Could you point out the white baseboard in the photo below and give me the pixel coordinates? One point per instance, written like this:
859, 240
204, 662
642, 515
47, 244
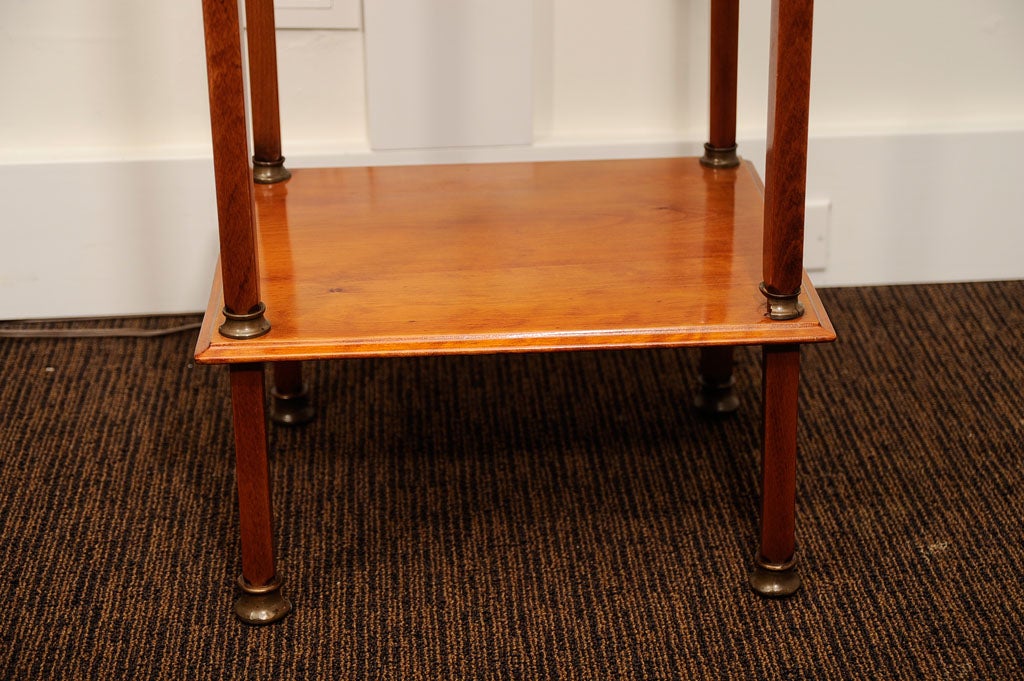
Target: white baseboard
935, 207
106, 238
90, 238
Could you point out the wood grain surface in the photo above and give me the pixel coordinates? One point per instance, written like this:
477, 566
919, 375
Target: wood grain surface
780, 387
725, 21
786, 160
256, 525
235, 209
262, 48
510, 257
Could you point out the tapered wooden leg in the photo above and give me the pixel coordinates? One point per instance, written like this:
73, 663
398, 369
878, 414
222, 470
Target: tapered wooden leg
775, 568
717, 395
261, 601
290, 404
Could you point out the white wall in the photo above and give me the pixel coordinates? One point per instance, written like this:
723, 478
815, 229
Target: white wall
917, 116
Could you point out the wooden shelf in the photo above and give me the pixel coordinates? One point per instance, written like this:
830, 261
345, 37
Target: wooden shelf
510, 257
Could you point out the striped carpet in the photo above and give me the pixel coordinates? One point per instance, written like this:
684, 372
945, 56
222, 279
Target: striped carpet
561, 516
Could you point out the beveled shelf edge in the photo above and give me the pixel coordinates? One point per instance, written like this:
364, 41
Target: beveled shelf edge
813, 327
813, 303
207, 329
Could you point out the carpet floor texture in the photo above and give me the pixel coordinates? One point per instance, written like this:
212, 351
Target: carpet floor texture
548, 516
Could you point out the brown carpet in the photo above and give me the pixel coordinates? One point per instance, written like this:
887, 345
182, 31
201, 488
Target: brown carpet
560, 516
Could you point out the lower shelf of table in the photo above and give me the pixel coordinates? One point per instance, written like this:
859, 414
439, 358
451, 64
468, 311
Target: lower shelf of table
518, 257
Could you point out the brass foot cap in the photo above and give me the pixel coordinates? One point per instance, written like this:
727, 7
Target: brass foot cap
291, 410
716, 400
775, 581
261, 604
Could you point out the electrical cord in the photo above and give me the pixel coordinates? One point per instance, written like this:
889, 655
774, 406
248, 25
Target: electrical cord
119, 332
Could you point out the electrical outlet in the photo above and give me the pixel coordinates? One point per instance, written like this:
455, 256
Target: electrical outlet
817, 217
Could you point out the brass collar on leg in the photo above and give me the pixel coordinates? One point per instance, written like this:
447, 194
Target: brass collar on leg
291, 410
252, 324
719, 157
269, 172
783, 307
717, 398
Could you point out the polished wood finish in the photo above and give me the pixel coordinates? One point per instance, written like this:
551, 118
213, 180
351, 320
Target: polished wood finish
261, 40
253, 475
235, 209
515, 257
716, 363
262, 47
786, 161
725, 21
511, 257
780, 388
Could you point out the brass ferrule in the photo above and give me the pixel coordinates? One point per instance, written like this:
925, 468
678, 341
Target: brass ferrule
782, 307
269, 172
292, 409
271, 586
719, 157
716, 398
775, 567
253, 324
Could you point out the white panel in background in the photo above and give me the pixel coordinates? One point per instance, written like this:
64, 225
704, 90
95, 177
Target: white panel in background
817, 213
316, 14
456, 73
